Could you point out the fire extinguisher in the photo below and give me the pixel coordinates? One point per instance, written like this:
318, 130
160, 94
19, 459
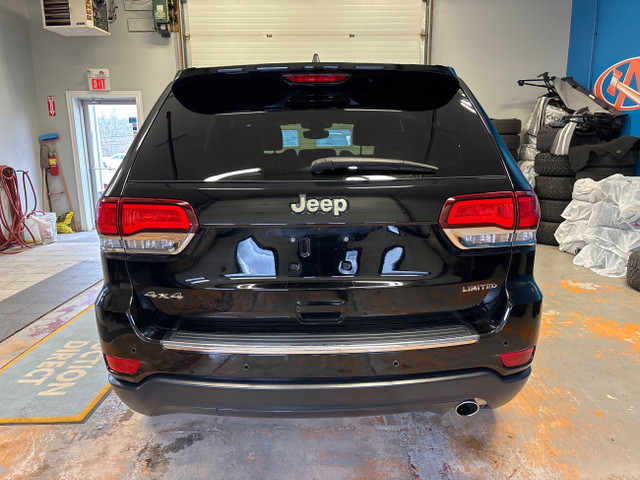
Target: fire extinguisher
53, 164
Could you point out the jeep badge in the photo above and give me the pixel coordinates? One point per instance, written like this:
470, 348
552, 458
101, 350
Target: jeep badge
322, 205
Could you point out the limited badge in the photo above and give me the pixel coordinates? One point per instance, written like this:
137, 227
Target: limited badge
479, 288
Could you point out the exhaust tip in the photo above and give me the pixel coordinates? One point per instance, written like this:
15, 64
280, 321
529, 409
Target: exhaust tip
467, 408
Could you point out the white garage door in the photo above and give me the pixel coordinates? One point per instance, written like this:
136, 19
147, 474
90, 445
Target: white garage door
232, 32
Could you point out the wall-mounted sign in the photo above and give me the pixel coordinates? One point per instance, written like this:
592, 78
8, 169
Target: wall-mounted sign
619, 85
51, 106
99, 80
88, 5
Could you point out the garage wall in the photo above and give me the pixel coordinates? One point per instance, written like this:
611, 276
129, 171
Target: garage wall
493, 43
137, 61
18, 119
601, 43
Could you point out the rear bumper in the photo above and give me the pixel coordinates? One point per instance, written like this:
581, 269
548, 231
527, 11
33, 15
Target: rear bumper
164, 394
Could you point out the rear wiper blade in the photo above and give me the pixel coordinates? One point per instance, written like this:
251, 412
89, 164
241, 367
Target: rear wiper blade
362, 164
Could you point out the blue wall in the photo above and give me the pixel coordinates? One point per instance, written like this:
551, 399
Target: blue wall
582, 42
603, 34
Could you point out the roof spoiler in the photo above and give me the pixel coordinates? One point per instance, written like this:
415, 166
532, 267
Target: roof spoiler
268, 88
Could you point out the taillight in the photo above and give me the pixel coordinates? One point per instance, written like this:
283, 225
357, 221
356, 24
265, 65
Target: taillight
479, 210
312, 78
497, 219
122, 365
528, 218
106, 216
516, 359
135, 225
156, 216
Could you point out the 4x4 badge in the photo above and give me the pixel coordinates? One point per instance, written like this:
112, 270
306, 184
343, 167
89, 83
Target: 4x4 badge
165, 296
336, 206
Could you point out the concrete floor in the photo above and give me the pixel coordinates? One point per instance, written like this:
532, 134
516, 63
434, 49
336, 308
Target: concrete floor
23, 270
576, 418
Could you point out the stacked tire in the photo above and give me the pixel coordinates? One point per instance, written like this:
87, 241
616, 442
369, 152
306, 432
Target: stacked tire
554, 185
545, 138
509, 130
633, 271
547, 135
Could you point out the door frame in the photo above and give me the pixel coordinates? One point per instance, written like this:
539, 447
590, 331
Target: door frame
90, 122
85, 209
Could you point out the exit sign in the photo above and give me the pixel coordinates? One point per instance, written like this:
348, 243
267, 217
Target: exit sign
99, 80
99, 84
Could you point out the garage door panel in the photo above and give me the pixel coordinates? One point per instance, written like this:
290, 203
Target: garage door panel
233, 50
229, 32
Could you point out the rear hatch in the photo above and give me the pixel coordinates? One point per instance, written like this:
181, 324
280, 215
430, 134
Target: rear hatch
317, 199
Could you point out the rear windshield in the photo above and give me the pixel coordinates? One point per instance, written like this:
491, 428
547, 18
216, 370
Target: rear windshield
281, 145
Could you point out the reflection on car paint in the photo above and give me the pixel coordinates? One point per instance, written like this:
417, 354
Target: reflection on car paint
392, 260
253, 260
351, 261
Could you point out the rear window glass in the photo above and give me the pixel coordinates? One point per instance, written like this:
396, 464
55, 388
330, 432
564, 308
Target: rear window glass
280, 145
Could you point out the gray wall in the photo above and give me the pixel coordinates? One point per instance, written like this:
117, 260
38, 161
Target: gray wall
493, 43
137, 61
18, 119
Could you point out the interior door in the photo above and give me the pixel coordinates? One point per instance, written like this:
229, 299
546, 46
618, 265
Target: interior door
111, 125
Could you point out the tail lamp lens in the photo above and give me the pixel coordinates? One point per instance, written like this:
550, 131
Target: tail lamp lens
517, 359
122, 365
135, 225
136, 217
497, 219
476, 210
312, 78
528, 210
106, 216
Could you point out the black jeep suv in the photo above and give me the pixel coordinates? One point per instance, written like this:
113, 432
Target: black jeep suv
317, 240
